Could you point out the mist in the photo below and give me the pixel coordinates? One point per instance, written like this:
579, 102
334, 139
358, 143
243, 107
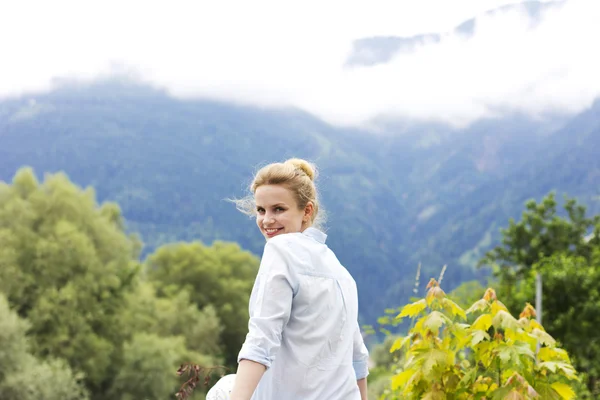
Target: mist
270, 54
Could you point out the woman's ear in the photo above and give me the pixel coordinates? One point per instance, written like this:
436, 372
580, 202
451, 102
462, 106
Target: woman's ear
308, 211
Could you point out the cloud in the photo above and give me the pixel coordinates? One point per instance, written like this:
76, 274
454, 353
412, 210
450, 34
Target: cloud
279, 54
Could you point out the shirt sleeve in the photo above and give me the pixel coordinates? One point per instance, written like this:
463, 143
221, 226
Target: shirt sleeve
360, 356
270, 307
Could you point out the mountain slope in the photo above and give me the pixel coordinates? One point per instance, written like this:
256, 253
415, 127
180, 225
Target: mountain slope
428, 193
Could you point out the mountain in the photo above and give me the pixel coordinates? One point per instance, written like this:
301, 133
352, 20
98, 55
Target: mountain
411, 193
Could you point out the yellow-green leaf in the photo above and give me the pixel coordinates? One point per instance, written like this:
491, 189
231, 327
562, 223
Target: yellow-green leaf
551, 353
514, 395
478, 336
434, 395
554, 366
483, 322
498, 306
479, 305
534, 324
543, 337
454, 308
411, 310
563, 390
433, 357
399, 343
400, 380
434, 321
504, 320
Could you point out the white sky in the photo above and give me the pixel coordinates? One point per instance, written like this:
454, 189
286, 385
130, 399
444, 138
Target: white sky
283, 53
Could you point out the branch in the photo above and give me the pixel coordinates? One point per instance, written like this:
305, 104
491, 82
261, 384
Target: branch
193, 372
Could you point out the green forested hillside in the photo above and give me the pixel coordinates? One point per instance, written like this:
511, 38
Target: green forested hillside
414, 193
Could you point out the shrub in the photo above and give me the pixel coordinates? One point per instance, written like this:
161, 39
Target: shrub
495, 357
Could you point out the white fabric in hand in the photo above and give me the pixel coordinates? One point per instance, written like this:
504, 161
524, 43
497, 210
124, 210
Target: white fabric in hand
222, 389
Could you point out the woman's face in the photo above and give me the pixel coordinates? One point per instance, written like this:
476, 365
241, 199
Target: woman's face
277, 211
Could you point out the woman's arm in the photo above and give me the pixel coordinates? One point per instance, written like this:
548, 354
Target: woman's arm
360, 360
270, 309
362, 386
247, 378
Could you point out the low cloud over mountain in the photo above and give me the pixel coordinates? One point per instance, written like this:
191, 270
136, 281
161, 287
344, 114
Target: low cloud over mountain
349, 64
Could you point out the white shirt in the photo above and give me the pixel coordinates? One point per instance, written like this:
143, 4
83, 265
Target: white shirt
304, 322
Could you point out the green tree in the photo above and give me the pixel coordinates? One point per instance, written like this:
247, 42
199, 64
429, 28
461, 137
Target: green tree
25, 377
220, 275
13, 343
566, 255
542, 232
174, 316
66, 265
570, 308
149, 366
383, 362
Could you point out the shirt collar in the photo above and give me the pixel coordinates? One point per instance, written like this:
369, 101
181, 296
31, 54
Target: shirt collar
316, 234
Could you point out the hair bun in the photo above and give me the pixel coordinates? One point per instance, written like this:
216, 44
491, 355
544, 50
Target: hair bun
304, 166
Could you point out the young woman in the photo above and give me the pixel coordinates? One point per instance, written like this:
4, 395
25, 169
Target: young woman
304, 341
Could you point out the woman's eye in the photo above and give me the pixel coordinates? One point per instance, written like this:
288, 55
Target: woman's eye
260, 211
279, 209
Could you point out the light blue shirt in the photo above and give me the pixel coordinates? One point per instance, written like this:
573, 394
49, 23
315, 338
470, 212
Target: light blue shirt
304, 322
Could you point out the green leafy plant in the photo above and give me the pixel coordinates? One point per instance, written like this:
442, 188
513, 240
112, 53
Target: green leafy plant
495, 357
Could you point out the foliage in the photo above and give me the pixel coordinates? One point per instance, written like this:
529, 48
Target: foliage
540, 233
48, 380
220, 276
13, 344
174, 316
571, 293
495, 357
566, 255
25, 377
380, 373
69, 269
149, 362
60, 253
467, 293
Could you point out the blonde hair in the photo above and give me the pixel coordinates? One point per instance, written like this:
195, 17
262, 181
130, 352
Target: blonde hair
295, 174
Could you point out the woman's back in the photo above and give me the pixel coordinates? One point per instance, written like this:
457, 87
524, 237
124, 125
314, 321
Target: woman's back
303, 322
304, 342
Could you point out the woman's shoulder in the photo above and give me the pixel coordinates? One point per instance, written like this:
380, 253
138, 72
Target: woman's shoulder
285, 241
292, 244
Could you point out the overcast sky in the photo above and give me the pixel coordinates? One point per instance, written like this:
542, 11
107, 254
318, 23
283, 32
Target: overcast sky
282, 53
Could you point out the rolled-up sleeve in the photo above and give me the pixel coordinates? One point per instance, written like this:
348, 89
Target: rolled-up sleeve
360, 358
270, 306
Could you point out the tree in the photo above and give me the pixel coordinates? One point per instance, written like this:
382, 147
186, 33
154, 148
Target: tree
66, 265
174, 316
542, 232
149, 365
567, 256
220, 275
384, 362
571, 302
25, 377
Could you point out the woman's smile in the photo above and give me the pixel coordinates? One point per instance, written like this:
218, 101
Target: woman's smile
272, 231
